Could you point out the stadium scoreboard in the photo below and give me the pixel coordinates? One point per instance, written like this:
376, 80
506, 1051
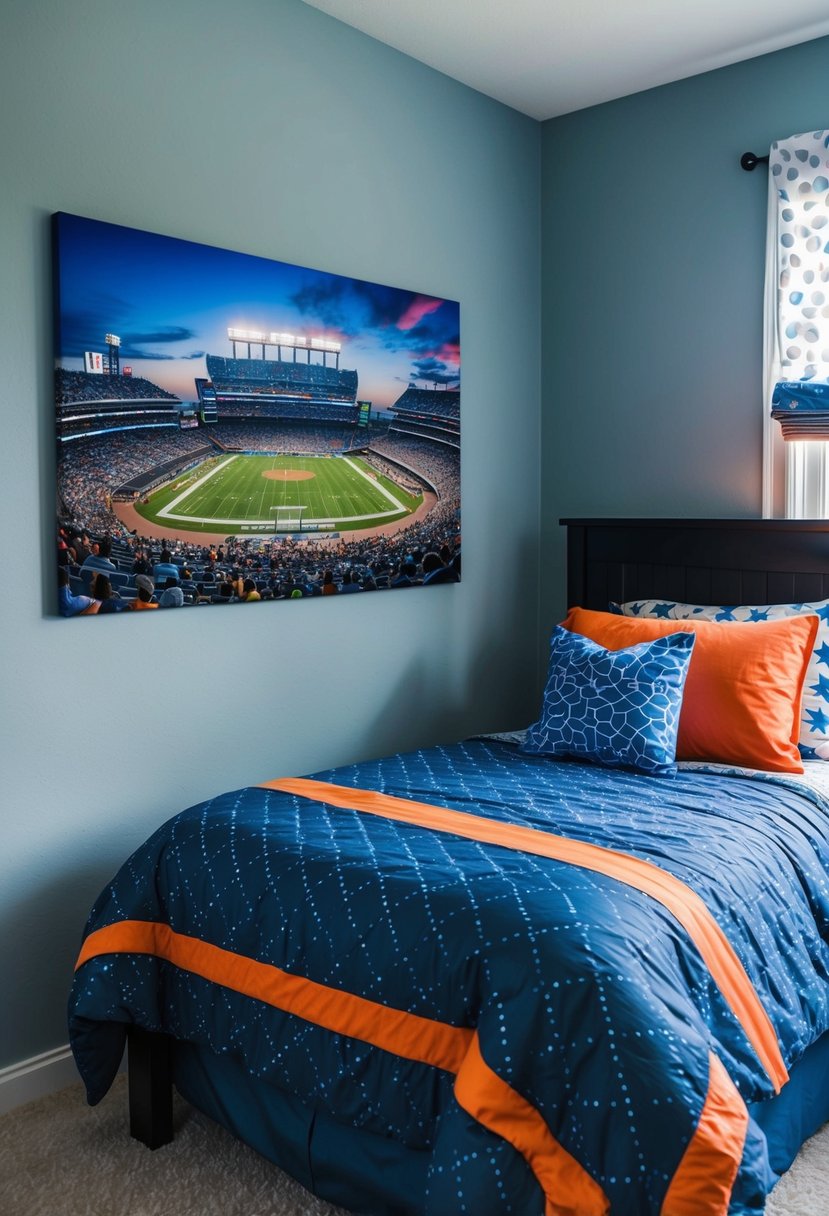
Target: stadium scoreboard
208, 408
365, 413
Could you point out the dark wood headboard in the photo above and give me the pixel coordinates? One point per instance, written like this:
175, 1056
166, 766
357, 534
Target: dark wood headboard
699, 561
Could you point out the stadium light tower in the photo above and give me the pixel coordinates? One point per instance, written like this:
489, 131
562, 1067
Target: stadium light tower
114, 344
293, 342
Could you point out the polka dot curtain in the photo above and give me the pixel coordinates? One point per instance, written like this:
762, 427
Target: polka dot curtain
797, 311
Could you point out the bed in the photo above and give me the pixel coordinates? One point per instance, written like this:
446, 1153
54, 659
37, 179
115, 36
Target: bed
486, 979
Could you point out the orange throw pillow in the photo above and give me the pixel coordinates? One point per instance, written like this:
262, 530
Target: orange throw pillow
742, 697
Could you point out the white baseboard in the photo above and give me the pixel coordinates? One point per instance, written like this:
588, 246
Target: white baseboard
37, 1077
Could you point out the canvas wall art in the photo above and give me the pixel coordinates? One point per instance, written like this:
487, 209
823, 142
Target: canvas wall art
233, 429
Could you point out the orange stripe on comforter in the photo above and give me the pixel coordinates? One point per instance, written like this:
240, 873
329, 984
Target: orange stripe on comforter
706, 1173
404, 1034
680, 900
568, 1189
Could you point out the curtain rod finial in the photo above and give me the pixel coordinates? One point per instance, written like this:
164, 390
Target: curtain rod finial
749, 161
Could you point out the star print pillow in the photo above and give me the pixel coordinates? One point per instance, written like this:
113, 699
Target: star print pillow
813, 740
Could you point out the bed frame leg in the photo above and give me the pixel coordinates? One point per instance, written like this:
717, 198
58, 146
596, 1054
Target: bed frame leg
150, 1087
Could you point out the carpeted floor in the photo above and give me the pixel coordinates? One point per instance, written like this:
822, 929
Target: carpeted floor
59, 1157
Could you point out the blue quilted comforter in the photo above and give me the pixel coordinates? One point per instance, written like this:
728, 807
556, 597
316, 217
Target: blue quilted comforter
548, 1034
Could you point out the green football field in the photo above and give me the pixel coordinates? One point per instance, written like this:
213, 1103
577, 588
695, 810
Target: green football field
241, 493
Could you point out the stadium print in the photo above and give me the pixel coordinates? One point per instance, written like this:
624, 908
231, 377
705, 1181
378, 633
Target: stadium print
236, 429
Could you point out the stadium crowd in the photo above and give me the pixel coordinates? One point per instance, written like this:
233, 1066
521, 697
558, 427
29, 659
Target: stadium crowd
279, 374
441, 434
435, 402
250, 436
442, 465
131, 572
89, 470
73, 388
269, 407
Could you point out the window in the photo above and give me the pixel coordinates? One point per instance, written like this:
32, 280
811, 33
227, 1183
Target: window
796, 362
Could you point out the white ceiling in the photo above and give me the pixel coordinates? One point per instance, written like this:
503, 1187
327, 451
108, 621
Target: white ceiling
548, 57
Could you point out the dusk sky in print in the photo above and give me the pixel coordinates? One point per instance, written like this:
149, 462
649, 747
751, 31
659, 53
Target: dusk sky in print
172, 301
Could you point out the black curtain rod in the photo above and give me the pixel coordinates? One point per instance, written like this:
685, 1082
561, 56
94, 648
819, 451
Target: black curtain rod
749, 161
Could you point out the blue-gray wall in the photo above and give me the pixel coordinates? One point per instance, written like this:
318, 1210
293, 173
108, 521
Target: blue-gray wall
267, 127
653, 256
272, 129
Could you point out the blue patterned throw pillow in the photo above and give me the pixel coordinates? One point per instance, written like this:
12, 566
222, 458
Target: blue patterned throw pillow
615, 707
813, 740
